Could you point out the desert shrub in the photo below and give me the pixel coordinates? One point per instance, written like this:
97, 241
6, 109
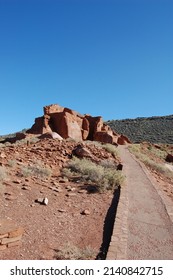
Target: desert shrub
87, 168
111, 149
7, 144
157, 152
37, 169
157, 166
104, 177
72, 252
3, 173
31, 140
108, 163
95, 143
69, 139
12, 163
135, 149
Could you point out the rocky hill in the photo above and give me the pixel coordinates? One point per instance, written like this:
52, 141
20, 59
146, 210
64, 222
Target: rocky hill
152, 129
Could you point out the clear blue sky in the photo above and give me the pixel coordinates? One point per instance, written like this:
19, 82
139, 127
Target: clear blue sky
103, 57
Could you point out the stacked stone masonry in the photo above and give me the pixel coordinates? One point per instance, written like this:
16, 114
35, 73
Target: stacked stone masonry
10, 234
70, 124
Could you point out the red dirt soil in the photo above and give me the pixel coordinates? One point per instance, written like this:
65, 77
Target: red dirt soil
49, 228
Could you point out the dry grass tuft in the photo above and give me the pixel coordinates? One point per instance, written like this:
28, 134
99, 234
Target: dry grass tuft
111, 149
137, 151
3, 173
72, 252
37, 169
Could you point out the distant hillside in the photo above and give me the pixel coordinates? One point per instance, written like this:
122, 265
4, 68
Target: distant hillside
153, 129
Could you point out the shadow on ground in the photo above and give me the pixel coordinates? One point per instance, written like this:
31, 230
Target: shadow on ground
108, 225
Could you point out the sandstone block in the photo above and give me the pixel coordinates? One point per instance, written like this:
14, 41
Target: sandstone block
123, 140
3, 235
13, 244
16, 232
81, 152
10, 240
104, 137
2, 247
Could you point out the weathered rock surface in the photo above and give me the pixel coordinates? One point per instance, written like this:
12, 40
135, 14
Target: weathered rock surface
50, 135
70, 124
81, 152
123, 140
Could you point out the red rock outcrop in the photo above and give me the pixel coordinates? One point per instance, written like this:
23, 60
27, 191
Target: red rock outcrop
70, 124
123, 140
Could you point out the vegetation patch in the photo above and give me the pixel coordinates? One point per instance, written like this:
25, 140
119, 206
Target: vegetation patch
3, 173
147, 159
153, 129
72, 252
106, 178
12, 163
111, 149
38, 170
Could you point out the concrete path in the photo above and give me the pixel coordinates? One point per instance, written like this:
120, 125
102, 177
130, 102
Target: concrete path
149, 232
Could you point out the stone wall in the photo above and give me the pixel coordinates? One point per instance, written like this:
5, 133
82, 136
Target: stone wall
70, 124
10, 234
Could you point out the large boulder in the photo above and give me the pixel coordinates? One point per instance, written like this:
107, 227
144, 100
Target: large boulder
81, 152
103, 137
50, 135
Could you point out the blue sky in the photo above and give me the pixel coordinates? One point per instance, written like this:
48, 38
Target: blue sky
112, 58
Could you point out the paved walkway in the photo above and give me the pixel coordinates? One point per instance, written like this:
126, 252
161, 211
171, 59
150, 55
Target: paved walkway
147, 230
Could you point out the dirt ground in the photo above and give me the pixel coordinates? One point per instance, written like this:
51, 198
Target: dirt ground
72, 224
73, 220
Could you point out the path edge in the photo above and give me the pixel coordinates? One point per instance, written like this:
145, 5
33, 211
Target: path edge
164, 198
118, 245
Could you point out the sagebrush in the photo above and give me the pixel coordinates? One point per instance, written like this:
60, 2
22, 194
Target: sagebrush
104, 177
36, 169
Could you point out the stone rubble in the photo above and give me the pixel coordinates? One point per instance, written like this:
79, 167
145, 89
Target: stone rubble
10, 234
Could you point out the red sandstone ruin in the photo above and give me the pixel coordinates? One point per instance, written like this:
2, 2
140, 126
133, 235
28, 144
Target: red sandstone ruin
70, 124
